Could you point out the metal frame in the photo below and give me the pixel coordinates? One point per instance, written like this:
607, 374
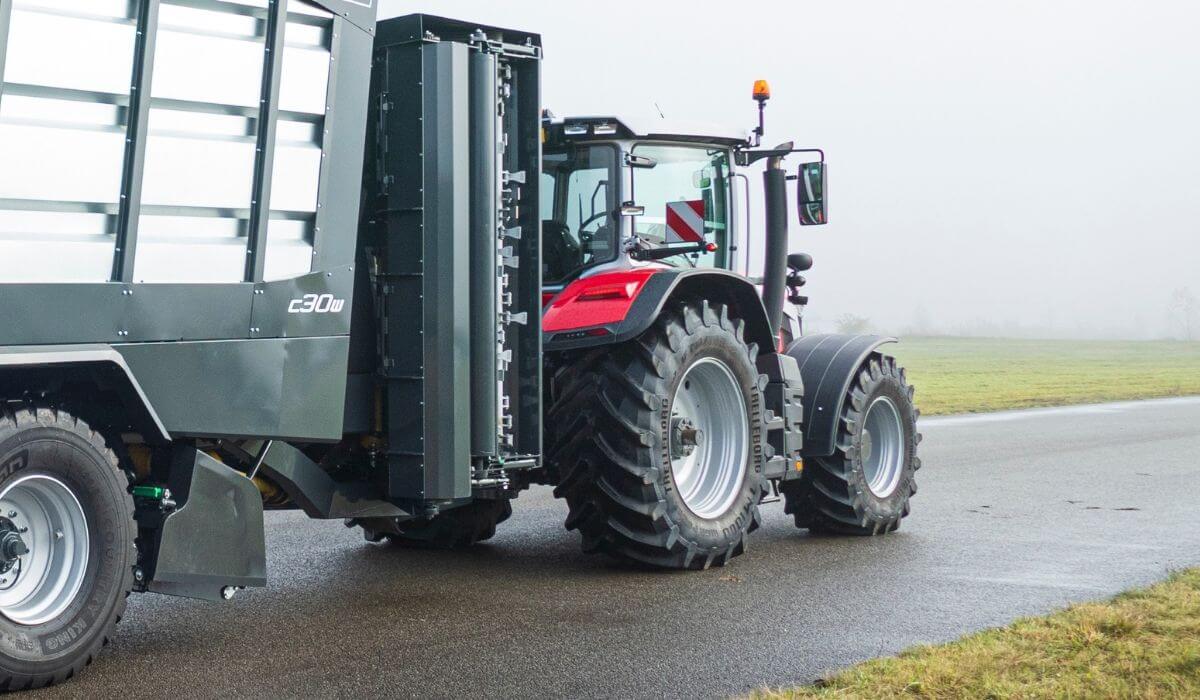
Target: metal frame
5, 21
137, 134
264, 155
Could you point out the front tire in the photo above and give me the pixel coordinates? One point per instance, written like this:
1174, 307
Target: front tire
657, 443
66, 546
865, 486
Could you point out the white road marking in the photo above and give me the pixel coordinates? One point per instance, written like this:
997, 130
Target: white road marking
1087, 409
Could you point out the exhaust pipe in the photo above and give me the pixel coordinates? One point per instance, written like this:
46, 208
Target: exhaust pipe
775, 262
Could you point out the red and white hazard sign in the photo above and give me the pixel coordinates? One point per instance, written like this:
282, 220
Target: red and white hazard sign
685, 221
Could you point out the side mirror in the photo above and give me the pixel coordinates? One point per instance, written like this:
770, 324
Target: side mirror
811, 191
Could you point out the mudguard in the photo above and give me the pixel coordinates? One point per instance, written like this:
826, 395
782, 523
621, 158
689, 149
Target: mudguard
613, 307
828, 364
215, 539
104, 364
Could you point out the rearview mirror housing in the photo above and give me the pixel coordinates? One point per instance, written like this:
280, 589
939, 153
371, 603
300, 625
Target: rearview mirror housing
810, 187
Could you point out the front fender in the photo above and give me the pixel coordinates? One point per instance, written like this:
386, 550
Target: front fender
828, 364
614, 307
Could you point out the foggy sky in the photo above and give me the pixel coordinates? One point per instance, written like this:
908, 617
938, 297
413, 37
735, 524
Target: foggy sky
995, 167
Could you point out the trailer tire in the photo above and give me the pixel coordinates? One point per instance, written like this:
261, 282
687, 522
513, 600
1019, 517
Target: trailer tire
613, 441
863, 488
69, 492
451, 529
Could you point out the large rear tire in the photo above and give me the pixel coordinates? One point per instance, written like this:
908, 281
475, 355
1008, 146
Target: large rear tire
658, 443
865, 486
66, 546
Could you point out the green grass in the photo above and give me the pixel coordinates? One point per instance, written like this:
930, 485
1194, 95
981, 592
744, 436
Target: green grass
1142, 644
967, 375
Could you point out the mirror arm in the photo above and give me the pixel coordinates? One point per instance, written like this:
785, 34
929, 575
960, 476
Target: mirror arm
646, 254
747, 157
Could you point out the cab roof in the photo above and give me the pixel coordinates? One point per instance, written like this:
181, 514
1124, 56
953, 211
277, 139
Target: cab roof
611, 127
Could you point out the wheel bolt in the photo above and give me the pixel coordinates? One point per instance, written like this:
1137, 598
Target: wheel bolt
12, 513
58, 534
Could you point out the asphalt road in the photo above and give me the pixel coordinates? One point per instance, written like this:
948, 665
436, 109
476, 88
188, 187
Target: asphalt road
1018, 514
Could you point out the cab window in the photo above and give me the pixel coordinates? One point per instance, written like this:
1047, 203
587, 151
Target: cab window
685, 194
578, 208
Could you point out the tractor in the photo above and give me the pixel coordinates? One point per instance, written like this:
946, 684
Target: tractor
264, 255
681, 394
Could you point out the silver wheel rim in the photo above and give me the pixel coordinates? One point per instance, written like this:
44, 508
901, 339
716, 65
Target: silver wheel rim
41, 583
709, 438
882, 449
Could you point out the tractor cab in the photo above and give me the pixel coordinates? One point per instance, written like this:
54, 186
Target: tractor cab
615, 196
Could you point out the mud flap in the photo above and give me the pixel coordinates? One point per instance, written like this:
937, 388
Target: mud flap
214, 539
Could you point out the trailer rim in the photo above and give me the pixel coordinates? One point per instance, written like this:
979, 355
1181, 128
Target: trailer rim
40, 584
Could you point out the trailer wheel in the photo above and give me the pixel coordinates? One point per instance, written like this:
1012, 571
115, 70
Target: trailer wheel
657, 443
451, 529
865, 486
66, 546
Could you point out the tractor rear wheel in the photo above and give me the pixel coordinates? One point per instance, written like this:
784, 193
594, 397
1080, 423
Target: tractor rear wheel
657, 443
451, 529
865, 486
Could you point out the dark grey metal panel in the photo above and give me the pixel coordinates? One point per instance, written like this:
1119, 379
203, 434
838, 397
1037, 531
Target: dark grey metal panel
284, 388
312, 305
77, 355
264, 155
215, 539
51, 314
137, 134
361, 13
447, 266
318, 495
485, 226
339, 192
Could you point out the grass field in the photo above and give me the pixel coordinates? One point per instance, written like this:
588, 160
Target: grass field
1142, 644
967, 375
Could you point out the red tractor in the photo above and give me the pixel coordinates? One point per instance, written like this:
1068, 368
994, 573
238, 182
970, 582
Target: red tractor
681, 394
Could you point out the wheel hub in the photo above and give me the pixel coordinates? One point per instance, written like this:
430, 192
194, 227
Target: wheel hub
12, 547
709, 438
685, 437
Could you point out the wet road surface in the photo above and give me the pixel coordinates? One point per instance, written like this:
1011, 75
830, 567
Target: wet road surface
1017, 514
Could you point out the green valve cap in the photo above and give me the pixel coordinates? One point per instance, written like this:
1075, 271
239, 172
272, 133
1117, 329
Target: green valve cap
152, 492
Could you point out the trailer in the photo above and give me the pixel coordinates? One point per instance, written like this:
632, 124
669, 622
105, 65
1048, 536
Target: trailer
274, 254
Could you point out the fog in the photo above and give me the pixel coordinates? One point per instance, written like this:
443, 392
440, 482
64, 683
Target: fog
1003, 168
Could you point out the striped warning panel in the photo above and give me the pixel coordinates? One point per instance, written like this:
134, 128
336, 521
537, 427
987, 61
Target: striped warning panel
685, 221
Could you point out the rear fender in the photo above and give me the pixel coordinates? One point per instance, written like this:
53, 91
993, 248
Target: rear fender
38, 368
614, 307
828, 364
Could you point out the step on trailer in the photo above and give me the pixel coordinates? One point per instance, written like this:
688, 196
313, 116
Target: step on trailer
270, 254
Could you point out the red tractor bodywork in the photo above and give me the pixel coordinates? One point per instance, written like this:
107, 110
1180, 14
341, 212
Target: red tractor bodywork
599, 300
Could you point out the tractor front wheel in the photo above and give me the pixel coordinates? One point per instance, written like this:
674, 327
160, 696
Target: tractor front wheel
657, 443
865, 486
